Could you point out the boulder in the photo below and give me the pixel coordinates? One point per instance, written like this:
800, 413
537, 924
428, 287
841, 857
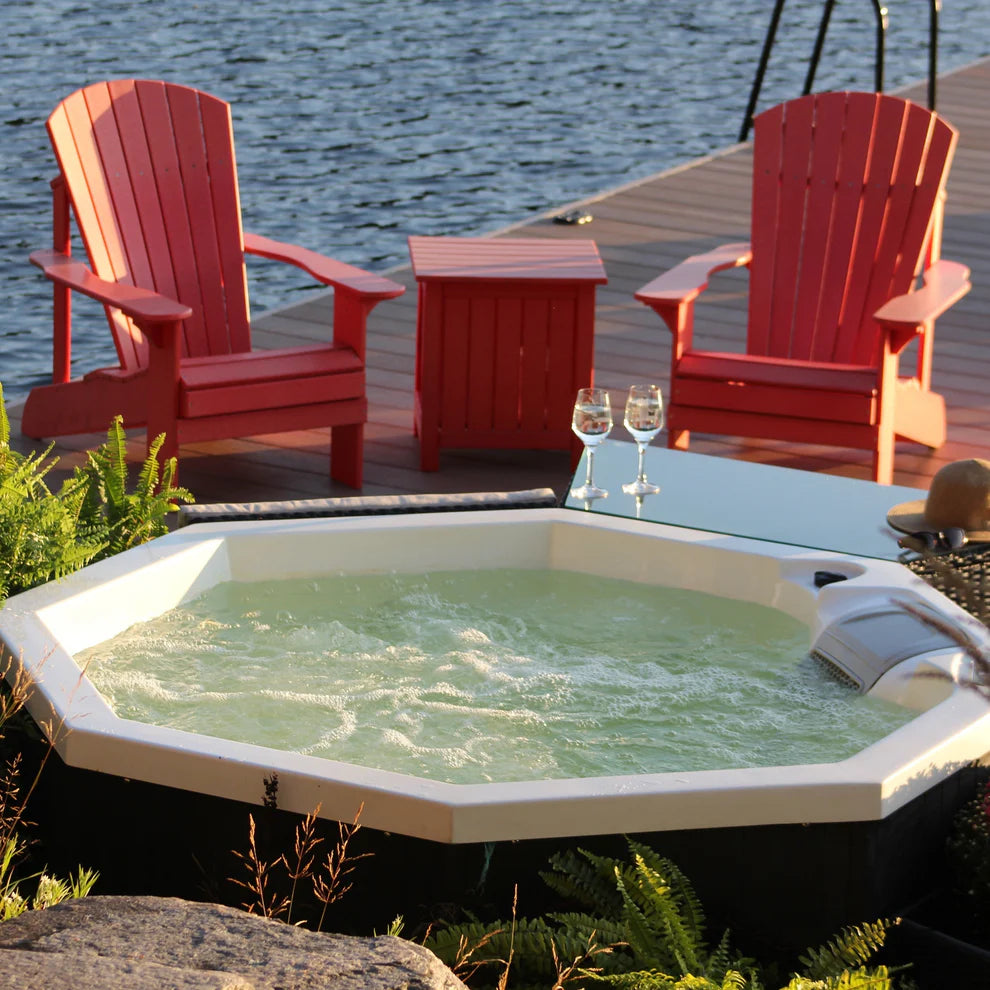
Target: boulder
151, 943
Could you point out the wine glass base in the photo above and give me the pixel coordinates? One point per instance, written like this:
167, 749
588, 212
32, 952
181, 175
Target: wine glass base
589, 492
640, 488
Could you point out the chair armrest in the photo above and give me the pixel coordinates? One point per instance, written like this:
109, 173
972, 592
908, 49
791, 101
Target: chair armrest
684, 282
945, 283
323, 269
671, 295
145, 307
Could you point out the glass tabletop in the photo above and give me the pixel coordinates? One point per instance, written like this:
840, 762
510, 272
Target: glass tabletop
740, 498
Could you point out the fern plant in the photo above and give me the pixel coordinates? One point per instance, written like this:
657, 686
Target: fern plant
120, 519
651, 980
39, 538
644, 911
648, 928
532, 945
45, 535
863, 978
853, 946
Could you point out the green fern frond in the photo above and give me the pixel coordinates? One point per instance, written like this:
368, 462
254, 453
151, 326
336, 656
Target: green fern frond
731, 981
39, 543
113, 455
656, 980
23, 474
46, 535
120, 519
574, 933
608, 931
150, 470
660, 909
534, 944
641, 979
644, 936
853, 946
722, 962
875, 978
444, 941
585, 878
529, 942
681, 891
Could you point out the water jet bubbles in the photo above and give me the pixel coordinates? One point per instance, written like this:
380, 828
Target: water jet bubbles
472, 635
207, 625
501, 658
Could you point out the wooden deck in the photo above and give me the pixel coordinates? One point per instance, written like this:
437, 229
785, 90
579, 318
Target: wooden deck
640, 229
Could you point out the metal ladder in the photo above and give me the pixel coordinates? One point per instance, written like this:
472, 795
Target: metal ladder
880, 13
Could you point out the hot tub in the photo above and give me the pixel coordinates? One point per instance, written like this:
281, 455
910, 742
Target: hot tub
849, 614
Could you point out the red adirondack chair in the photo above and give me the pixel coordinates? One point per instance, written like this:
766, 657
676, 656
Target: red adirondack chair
148, 169
847, 205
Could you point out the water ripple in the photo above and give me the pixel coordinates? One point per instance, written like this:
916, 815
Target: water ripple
362, 124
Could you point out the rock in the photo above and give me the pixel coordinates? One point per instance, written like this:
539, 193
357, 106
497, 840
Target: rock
152, 943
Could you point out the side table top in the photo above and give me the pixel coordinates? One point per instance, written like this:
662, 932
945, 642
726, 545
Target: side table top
513, 258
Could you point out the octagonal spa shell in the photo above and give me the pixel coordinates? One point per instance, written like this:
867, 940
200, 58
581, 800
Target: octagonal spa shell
42, 629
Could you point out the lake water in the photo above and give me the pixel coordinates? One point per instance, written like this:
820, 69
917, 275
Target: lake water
360, 122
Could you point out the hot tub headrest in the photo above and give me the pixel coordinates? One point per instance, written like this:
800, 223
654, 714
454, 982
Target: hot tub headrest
365, 505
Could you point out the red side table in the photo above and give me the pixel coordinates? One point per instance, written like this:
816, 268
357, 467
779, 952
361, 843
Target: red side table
504, 339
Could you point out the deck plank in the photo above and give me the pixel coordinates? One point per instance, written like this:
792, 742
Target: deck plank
640, 229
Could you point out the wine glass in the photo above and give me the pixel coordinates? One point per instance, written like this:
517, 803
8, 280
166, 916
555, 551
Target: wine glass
644, 420
592, 422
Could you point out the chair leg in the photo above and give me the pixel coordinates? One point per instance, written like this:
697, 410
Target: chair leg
429, 451
347, 454
883, 457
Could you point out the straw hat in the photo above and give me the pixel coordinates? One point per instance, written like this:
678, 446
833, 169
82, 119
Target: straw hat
959, 497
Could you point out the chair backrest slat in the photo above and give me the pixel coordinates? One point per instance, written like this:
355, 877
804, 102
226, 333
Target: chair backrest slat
849, 126
844, 189
219, 142
73, 136
790, 206
154, 209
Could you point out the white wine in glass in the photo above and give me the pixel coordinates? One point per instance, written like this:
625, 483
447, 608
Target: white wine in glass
644, 420
592, 422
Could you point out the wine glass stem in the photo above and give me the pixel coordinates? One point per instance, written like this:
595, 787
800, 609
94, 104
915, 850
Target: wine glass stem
591, 457
642, 452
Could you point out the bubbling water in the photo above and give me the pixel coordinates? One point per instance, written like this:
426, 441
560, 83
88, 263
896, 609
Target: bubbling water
498, 675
